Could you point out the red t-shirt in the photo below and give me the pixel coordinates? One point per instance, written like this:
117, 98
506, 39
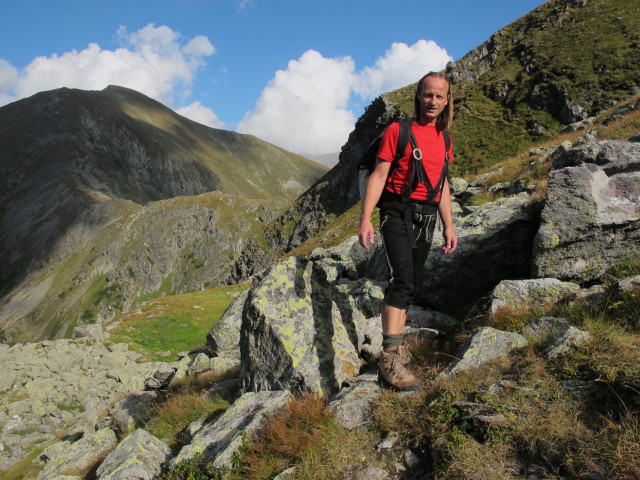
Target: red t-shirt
431, 143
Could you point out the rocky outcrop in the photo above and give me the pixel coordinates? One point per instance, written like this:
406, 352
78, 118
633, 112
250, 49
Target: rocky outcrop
591, 218
494, 243
304, 325
475, 63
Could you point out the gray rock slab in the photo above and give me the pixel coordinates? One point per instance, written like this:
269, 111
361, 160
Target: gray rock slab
218, 441
530, 293
140, 456
353, 406
483, 346
79, 457
591, 217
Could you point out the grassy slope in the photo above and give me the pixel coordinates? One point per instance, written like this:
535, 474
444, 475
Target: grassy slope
244, 164
79, 289
174, 323
591, 55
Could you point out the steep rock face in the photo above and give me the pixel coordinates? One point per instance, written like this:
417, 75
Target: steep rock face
591, 218
475, 63
174, 245
494, 243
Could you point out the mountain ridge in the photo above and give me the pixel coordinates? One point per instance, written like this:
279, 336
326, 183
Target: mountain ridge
75, 162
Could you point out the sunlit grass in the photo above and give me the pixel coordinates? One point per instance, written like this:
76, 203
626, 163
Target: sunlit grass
173, 323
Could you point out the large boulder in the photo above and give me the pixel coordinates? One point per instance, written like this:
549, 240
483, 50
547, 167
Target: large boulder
495, 243
305, 323
224, 338
591, 218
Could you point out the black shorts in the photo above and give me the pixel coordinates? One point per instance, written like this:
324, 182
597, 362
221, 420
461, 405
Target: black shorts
407, 231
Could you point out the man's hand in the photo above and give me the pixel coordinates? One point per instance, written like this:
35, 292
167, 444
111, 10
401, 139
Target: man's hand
366, 233
450, 241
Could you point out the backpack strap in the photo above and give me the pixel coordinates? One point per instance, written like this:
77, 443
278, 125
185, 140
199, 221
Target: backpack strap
419, 175
403, 138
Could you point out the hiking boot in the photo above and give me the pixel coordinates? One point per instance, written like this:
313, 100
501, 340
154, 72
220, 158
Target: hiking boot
405, 357
393, 374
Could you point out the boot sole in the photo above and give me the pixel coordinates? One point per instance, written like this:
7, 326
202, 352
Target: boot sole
390, 386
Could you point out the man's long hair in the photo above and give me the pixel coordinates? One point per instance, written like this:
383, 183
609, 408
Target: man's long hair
445, 119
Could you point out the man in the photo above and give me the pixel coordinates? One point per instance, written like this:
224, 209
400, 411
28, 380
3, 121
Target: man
409, 203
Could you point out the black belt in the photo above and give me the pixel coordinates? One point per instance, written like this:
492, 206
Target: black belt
415, 212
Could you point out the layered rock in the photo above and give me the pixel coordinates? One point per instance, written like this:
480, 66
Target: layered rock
591, 217
217, 441
305, 323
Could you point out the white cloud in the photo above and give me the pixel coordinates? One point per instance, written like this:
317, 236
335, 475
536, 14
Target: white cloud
8, 78
305, 107
201, 114
244, 5
401, 65
151, 60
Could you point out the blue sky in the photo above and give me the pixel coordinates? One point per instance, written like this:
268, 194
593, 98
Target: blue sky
297, 73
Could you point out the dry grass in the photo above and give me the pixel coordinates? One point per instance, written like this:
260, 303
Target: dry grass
472, 460
179, 411
304, 434
615, 453
187, 401
545, 427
